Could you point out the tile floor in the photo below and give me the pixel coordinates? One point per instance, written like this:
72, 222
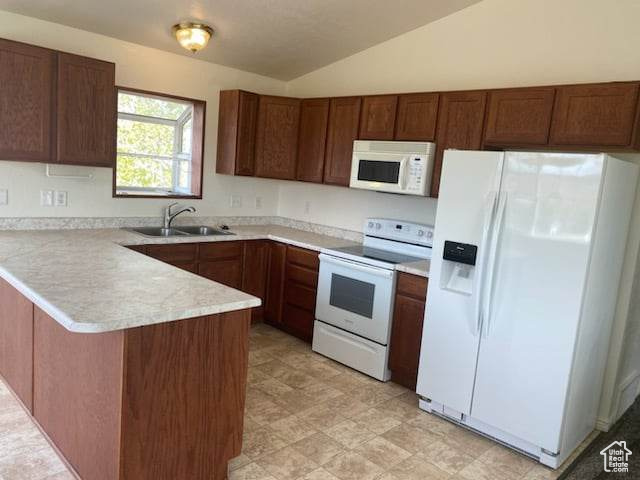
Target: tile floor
309, 418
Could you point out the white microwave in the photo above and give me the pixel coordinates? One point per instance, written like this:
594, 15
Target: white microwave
393, 167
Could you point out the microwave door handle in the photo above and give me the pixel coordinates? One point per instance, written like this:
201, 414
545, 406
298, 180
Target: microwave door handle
404, 172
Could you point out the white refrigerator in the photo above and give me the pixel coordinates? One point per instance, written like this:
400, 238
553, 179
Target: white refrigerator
527, 257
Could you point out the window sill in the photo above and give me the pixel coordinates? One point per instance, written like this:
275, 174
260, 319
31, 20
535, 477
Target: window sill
158, 196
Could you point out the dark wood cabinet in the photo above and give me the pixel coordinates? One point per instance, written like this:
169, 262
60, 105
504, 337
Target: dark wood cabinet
417, 116
344, 118
275, 283
300, 288
378, 117
519, 116
26, 102
181, 255
406, 331
237, 121
254, 276
277, 137
222, 262
460, 121
595, 115
314, 116
16, 342
86, 111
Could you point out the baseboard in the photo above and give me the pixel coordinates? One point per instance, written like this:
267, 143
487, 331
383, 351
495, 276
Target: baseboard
603, 424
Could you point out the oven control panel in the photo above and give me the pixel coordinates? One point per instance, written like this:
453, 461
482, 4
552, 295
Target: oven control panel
408, 232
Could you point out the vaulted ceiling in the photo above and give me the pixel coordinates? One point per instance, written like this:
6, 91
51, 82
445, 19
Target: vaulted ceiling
278, 38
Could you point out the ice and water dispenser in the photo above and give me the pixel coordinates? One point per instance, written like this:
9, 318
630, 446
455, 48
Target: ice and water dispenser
458, 267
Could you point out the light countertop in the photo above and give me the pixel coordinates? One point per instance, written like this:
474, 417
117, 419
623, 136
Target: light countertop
90, 283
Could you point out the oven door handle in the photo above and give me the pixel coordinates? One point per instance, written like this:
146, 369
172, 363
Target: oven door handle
341, 262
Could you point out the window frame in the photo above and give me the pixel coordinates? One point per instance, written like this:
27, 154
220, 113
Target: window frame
197, 117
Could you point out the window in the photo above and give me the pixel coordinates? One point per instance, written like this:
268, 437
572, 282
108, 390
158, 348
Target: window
160, 140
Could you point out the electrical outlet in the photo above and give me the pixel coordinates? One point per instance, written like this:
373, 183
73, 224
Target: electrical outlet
307, 207
4, 196
258, 203
46, 198
60, 198
236, 201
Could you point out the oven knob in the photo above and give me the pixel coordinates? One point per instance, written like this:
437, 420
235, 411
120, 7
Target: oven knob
421, 233
378, 226
370, 225
430, 234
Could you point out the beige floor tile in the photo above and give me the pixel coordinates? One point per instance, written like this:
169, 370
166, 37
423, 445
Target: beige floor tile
322, 392
410, 438
478, 470
468, 442
322, 416
350, 434
445, 457
66, 475
33, 465
256, 376
409, 397
374, 421
347, 406
540, 472
433, 424
261, 442
352, 466
238, 462
319, 474
266, 412
272, 387
250, 425
292, 429
287, 464
345, 383
382, 452
259, 357
372, 395
507, 459
319, 447
415, 468
398, 409
251, 471
272, 368
321, 371
296, 379
295, 401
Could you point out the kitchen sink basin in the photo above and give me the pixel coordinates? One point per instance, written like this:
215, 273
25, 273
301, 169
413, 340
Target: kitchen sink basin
203, 230
159, 232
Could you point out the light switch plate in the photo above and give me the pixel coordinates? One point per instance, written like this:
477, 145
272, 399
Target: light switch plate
236, 201
258, 203
4, 196
60, 198
46, 198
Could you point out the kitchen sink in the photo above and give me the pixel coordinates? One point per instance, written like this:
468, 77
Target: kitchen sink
200, 230
203, 230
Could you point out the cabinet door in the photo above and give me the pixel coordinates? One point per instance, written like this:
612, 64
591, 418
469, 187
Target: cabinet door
254, 272
16, 342
597, 115
86, 111
180, 253
344, 117
460, 122
226, 272
378, 117
417, 116
26, 95
275, 283
406, 331
314, 116
237, 120
277, 137
519, 117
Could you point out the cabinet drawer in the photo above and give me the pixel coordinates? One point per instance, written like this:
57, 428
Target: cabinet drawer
298, 322
302, 276
184, 252
220, 250
227, 272
303, 257
300, 296
412, 286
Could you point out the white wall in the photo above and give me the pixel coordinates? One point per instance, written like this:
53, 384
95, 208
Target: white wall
149, 69
495, 43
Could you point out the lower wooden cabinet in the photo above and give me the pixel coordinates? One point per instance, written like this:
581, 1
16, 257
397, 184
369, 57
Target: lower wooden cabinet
16, 342
275, 283
406, 332
254, 273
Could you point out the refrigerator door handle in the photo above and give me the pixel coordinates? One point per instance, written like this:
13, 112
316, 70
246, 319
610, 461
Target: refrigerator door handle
493, 256
490, 207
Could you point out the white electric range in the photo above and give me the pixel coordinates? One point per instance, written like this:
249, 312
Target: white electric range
356, 291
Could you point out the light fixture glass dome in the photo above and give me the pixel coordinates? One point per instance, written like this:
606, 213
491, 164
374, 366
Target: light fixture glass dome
192, 36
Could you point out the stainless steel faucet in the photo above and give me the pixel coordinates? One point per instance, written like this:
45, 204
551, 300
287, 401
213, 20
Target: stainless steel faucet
168, 216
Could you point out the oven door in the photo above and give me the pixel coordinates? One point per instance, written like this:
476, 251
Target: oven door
380, 172
356, 297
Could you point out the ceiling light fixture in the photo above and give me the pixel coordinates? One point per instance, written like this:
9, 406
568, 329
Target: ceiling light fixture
192, 36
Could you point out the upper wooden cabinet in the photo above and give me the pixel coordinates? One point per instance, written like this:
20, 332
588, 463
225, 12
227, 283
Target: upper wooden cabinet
344, 117
378, 118
26, 96
599, 115
519, 116
417, 115
460, 122
314, 116
277, 137
86, 111
237, 120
